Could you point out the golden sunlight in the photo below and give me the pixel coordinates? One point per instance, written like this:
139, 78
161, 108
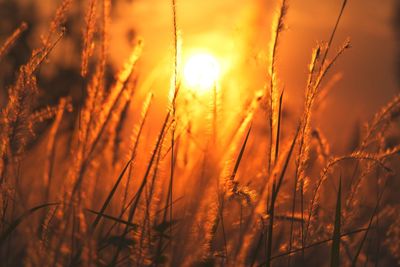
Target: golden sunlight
201, 72
199, 133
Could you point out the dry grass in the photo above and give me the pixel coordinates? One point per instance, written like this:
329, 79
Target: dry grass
242, 193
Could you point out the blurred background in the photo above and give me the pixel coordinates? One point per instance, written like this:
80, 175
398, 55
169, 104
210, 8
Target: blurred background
365, 77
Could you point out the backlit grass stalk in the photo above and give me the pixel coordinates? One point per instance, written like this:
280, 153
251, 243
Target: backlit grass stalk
88, 34
51, 149
301, 157
106, 115
277, 28
143, 183
335, 248
384, 116
10, 42
377, 159
304, 141
135, 139
276, 185
227, 187
264, 207
232, 189
176, 86
374, 214
21, 99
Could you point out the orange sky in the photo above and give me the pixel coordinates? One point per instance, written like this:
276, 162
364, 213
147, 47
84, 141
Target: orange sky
367, 70
238, 33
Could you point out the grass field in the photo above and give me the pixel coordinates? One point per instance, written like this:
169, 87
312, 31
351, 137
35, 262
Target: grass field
188, 171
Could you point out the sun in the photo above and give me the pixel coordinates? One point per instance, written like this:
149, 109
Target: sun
201, 72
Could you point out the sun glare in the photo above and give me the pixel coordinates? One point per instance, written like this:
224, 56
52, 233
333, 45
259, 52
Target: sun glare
201, 72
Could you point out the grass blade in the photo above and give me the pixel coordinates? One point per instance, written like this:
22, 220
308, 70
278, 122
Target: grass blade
314, 245
115, 219
335, 249
334, 32
364, 238
109, 197
239, 158
19, 220
278, 128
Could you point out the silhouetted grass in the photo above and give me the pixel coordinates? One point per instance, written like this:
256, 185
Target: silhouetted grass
188, 185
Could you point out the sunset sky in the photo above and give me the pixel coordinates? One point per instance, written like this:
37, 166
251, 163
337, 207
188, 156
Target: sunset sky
238, 35
366, 71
